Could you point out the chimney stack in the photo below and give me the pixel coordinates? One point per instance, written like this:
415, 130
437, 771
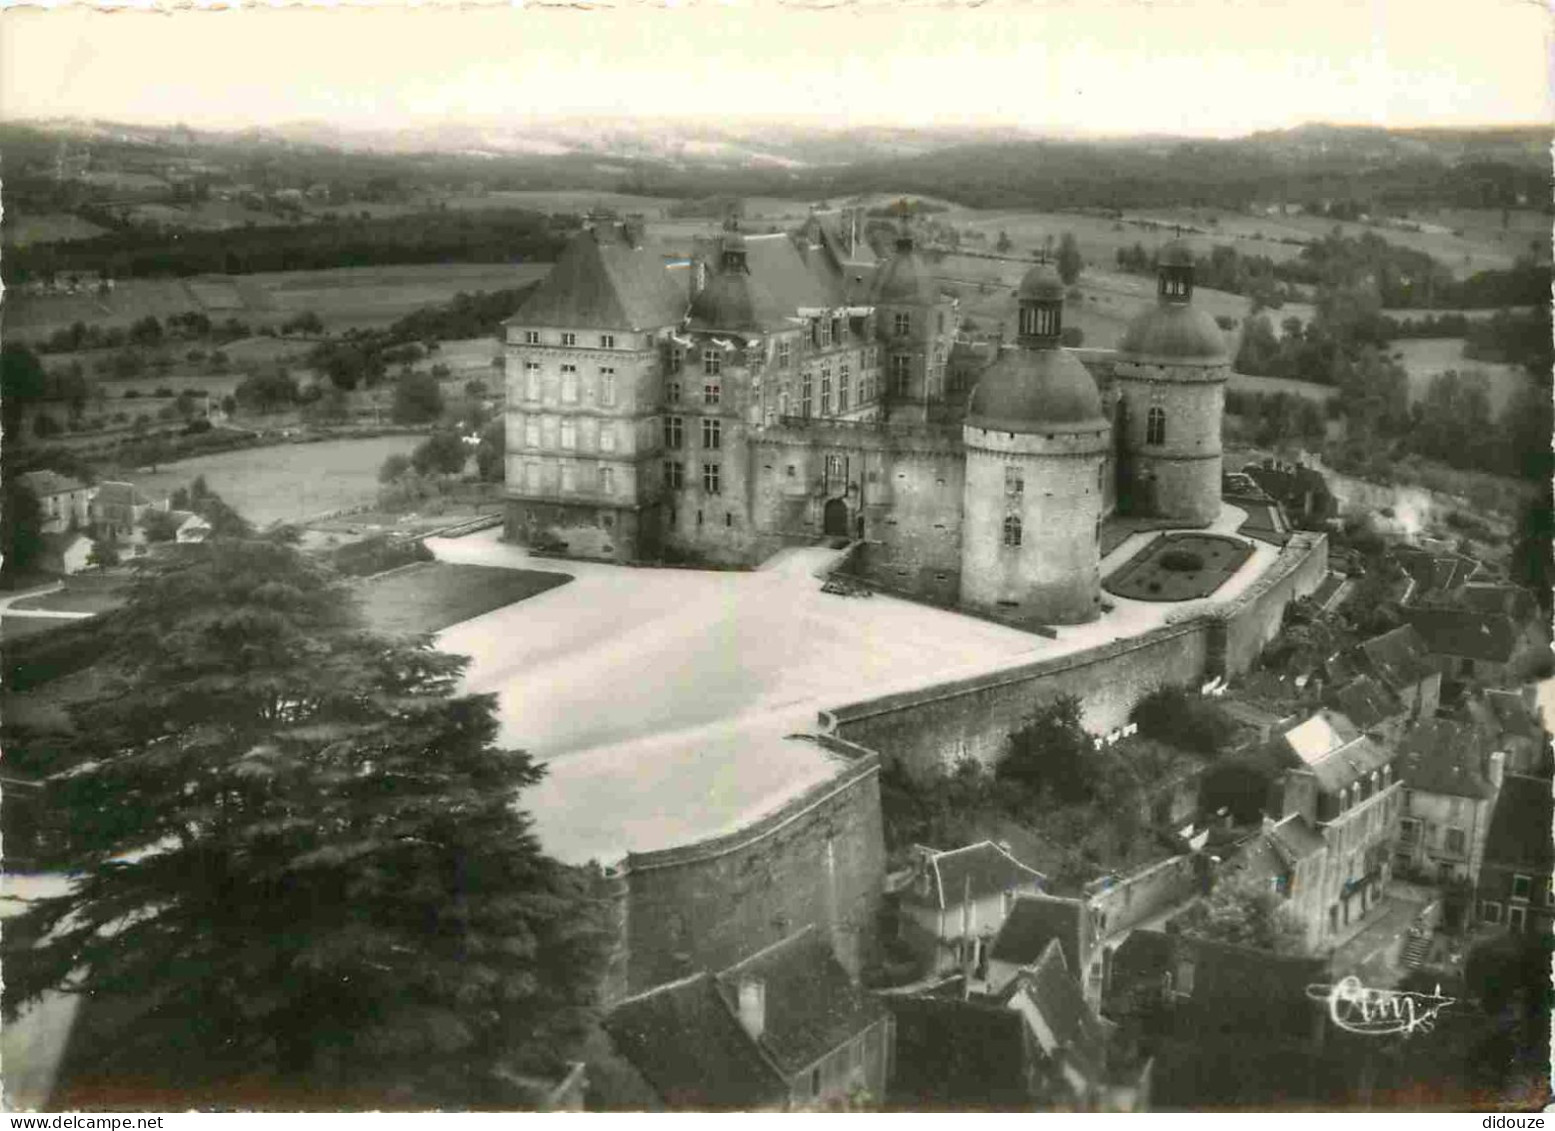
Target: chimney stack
753, 1007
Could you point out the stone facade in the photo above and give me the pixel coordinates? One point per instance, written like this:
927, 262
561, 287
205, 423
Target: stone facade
818, 860
771, 390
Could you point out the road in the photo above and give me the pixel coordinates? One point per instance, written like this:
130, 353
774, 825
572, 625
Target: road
1372, 955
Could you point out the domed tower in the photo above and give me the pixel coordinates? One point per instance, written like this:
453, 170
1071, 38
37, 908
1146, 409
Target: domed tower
916, 325
1036, 446
1171, 383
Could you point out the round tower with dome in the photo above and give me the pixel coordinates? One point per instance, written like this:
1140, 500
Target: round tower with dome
1036, 444
1170, 381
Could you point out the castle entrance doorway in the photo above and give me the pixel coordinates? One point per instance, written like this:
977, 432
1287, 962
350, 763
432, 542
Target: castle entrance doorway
834, 520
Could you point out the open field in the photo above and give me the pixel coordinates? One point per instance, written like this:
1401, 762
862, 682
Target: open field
1425, 358
47, 227
286, 482
1246, 383
432, 596
342, 297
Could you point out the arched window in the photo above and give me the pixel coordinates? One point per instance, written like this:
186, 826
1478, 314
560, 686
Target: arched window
1012, 530
1155, 426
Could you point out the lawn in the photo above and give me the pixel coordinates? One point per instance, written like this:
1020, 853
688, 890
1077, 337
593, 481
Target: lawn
286, 482
431, 596
1179, 567
1425, 358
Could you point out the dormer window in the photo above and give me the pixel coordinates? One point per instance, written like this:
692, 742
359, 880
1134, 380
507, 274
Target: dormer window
531, 337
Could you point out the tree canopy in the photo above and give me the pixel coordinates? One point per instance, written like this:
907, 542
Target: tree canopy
298, 850
1245, 912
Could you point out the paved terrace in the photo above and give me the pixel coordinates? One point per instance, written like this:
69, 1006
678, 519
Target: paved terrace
690, 678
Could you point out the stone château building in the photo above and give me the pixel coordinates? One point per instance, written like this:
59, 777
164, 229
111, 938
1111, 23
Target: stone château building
777, 388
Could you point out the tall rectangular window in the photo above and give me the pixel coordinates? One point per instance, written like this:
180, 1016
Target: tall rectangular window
901, 324
569, 477
531, 337
712, 361
806, 393
607, 341
607, 480
677, 359
712, 392
531, 432
712, 433
607, 436
673, 437
825, 390
901, 374
672, 392
823, 333
1014, 481
531, 380
532, 478
712, 478
844, 380
569, 339
674, 474
607, 387
548, 431
785, 353
569, 384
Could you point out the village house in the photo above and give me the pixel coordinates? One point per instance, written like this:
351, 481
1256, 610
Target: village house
784, 1030
1451, 776
65, 503
1470, 645
956, 901
1034, 1044
1517, 877
1399, 666
1035, 922
1224, 1025
1513, 715
1344, 786
118, 510
1286, 857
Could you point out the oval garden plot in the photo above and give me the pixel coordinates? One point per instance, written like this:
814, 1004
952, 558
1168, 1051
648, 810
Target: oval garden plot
1179, 567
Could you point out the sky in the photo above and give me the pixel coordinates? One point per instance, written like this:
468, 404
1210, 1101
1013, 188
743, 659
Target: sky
1196, 67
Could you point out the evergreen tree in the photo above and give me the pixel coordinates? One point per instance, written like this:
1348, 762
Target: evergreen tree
298, 852
1069, 260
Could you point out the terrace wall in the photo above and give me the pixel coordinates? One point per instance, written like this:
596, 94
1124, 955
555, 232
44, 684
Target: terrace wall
706, 906
934, 727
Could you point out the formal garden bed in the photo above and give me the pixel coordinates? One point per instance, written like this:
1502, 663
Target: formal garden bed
1179, 567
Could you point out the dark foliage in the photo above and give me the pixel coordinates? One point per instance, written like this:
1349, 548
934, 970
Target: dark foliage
298, 852
1188, 722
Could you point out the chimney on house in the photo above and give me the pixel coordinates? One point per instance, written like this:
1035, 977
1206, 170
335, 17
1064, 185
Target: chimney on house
753, 1006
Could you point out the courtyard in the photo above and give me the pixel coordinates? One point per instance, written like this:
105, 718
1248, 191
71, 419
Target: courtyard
663, 693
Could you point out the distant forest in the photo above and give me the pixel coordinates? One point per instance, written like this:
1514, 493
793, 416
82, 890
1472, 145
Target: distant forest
487, 236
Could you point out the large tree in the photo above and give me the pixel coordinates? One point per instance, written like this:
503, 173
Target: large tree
298, 852
1070, 261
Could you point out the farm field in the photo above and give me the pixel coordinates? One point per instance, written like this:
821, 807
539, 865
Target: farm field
1247, 383
47, 227
1424, 358
432, 596
286, 482
341, 297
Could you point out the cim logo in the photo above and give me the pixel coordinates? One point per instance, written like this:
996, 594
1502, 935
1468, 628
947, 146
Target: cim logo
1357, 1009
